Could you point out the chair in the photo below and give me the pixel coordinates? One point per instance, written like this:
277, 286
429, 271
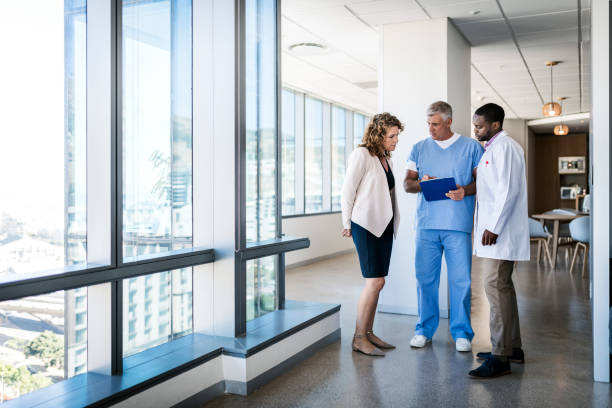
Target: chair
538, 234
586, 203
580, 229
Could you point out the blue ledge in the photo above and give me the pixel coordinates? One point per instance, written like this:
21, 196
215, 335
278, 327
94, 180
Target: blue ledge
158, 364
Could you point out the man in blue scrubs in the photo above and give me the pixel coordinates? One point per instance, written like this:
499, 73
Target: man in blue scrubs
444, 226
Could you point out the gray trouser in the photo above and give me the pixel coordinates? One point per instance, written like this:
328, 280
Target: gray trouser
504, 322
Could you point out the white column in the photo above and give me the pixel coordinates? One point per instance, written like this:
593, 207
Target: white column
421, 62
99, 227
214, 194
600, 187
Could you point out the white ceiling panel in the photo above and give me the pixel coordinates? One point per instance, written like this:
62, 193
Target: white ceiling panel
484, 30
462, 12
338, 27
544, 22
383, 6
340, 65
290, 7
515, 8
393, 17
427, 4
305, 77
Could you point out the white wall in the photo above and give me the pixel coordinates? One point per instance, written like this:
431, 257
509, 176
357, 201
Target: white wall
517, 129
458, 83
600, 187
325, 239
412, 74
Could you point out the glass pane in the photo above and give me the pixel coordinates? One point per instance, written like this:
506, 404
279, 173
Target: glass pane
288, 152
44, 340
338, 148
260, 82
313, 155
359, 122
157, 137
261, 286
157, 308
42, 100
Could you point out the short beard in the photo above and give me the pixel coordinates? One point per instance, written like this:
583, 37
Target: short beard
486, 137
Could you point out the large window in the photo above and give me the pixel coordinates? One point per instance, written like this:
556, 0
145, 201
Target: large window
156, 126
43, 223
261, 286
35, 331
261, 149
42, 210
317, 140
313, 155
105, 223
157, 160
158, 309
359, 125
338, 154
288, 151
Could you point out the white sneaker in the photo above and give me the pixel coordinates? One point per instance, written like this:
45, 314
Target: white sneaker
419, 341
463, 345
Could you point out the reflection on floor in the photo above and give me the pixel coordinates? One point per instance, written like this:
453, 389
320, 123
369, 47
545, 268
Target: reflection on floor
555, 325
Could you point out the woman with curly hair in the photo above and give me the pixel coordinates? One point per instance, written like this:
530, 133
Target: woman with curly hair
371, 217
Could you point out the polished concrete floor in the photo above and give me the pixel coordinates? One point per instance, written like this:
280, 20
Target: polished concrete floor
556, 329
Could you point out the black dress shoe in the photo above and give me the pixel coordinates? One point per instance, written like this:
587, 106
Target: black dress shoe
518, 356
491, 368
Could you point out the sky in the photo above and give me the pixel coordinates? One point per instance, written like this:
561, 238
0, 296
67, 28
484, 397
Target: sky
32, 110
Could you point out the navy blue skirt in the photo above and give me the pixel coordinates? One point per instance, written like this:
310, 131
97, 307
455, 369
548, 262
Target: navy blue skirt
374, 253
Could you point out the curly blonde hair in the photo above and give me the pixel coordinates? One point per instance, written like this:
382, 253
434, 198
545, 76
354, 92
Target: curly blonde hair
374, 134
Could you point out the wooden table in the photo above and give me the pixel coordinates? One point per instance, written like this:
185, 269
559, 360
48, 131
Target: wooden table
557, 219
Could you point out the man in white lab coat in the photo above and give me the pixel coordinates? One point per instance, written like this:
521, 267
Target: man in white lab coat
501, 235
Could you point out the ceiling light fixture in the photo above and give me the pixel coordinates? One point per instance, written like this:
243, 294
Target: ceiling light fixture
551, 108
561, 129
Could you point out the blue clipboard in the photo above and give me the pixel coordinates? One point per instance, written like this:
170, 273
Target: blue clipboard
436, 189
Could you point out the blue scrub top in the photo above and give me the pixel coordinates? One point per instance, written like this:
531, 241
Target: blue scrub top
459, 161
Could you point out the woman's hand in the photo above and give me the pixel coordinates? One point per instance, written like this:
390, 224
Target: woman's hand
347, 233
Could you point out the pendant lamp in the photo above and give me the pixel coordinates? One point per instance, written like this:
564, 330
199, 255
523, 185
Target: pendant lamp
561, 129
551, 108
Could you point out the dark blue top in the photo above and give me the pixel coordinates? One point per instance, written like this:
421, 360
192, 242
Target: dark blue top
389, 174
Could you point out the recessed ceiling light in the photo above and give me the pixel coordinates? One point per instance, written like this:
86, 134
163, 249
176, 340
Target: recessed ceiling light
474, 12
307, 48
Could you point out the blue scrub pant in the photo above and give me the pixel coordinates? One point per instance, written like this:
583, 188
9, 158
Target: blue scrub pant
457, 247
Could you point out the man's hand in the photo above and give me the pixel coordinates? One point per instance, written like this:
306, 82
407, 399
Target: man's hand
488, 238
347, 233
456, 195
427, 177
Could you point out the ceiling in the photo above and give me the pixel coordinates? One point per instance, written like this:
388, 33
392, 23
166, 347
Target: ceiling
511, 42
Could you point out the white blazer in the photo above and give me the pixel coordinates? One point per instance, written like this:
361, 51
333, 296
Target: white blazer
365, 194
501, 201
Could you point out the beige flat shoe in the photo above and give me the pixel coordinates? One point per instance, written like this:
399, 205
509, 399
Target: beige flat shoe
378, 342
374, 353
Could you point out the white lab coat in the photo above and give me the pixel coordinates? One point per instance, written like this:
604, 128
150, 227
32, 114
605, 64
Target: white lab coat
501, 201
